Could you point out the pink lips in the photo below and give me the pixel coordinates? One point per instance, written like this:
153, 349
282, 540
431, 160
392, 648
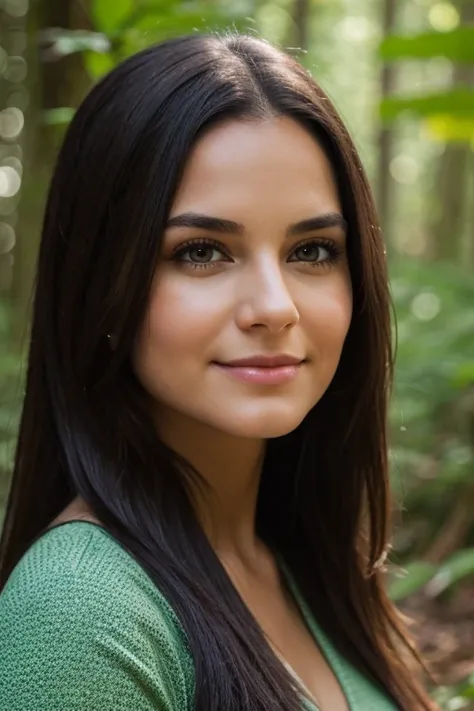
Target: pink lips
263, 370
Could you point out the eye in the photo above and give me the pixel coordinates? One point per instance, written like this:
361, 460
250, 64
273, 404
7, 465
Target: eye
310, 252
316, 252
200, 253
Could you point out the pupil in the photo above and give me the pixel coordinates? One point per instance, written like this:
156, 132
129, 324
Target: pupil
309, 252
201, 253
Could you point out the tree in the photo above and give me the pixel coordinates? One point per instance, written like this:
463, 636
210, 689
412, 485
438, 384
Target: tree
385, 139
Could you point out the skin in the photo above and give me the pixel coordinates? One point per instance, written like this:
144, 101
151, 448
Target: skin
260, 296
256, 298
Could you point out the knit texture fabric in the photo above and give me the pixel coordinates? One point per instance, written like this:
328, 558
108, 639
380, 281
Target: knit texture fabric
83, 628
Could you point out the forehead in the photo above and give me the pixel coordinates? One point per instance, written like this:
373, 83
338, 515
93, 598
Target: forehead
269, 165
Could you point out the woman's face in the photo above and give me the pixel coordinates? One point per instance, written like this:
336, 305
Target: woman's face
254, 265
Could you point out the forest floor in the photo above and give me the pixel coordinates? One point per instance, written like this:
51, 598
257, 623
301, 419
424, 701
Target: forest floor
444, 631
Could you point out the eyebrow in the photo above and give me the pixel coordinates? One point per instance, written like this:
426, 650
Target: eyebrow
217, 224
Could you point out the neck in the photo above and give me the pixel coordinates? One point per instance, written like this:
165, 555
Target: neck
231, 468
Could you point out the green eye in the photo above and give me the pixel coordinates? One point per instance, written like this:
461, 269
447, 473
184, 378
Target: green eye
200, 254
316, 252
309, 252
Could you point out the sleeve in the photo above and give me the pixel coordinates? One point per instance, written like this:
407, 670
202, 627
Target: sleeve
69, 642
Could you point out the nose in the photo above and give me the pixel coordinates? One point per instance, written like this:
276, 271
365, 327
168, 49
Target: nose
266, 301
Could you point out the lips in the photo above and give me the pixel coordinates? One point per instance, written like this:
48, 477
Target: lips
263, 370
263, 361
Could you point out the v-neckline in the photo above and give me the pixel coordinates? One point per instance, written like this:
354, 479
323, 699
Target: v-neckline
308, 698
325, 646
323, 642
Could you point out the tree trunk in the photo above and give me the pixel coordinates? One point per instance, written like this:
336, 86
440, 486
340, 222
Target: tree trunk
50, 84
450, 240
467, 247
301, 19
384, 183
448, 227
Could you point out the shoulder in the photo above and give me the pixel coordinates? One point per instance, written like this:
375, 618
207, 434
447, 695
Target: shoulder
79, 605
80, 561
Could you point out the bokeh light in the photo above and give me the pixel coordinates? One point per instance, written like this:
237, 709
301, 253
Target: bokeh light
11, 123
16, 70
426, 306
7, 238
10, 181
16, 8
444, 17
404, 169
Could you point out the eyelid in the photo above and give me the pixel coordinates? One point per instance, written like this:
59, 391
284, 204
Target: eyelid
317, 240
328, 241
332, 245
187, 246
199, 241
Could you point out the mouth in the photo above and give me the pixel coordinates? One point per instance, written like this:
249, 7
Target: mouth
264, 361
263, 370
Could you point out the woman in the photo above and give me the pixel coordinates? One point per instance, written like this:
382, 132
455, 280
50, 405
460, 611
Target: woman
199, 507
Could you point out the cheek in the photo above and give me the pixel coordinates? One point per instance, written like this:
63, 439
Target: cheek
181, 322
329, 315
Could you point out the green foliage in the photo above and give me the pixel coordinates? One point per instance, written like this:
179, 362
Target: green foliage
432, 431
111, 15
458, 46
449, 115
63, 42
132, 26
98, 65
458, 103
432, 411
457, 697
434, 579
445, 127
416, 574
59, 116
457, 568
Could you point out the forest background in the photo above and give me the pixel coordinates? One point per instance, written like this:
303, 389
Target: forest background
401, 73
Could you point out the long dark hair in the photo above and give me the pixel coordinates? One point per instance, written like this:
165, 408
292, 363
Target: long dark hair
86, 429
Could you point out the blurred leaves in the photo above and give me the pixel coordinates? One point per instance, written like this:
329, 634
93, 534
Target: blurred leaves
456, 697
415, 575
58, 117
448, 115
98, 65
464, 375
435, 579
454, 570
455, 104
58, 42
449, 128
132, 26
432, 410
110, 15
458, 46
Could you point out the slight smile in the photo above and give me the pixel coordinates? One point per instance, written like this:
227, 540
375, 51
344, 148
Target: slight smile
263, 370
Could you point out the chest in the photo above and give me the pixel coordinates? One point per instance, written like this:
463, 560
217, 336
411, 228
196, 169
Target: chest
293, 642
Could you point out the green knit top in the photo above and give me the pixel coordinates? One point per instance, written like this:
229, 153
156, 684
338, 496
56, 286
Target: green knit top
83, 628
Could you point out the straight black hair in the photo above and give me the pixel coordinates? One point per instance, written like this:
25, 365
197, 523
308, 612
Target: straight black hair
86, 429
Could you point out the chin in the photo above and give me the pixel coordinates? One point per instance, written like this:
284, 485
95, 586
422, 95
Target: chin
268, 426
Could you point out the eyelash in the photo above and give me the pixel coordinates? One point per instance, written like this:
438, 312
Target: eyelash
332, 248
